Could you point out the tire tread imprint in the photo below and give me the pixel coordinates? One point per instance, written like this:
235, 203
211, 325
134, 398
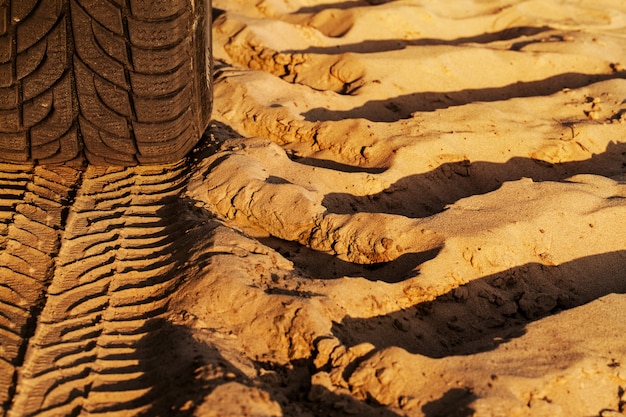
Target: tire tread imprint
29, 241
100, 307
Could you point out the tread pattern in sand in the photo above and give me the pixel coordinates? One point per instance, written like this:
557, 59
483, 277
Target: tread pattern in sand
32, 211
114, 270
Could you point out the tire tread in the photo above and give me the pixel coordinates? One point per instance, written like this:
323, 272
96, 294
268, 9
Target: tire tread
113, 81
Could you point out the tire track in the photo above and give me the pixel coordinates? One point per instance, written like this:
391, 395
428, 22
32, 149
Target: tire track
32, 211
117, 265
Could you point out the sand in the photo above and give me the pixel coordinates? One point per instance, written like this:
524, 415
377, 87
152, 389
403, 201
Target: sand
400, 208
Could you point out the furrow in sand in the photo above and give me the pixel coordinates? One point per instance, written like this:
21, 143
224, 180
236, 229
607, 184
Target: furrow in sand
32, 209
23, 286
145, 240
116, 267
12, 302
12, 340
13, 181
114, 237
73, 330
27, 232
12, 318
31, 217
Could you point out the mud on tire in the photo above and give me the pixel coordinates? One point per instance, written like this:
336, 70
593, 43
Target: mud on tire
115, 81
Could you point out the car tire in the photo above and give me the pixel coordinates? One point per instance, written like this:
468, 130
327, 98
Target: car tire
118, 82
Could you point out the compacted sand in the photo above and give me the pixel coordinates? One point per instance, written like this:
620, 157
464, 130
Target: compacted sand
401, 208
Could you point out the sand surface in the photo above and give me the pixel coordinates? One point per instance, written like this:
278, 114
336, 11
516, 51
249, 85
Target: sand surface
401, 208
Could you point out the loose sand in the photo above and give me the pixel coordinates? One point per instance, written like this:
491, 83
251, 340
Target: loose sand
401, 208
422, 207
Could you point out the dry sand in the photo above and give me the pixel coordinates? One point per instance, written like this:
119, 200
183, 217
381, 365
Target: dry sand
424, 205
401, 208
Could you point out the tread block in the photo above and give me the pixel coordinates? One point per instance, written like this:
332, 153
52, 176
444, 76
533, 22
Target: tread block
113, 97
155, 85
4, 18
160, 61
160, 109
68, 151
29, 60
21, 9
14, 156
61, 116
9, 97
46, 150
160, 34
6, 48
113, 45
36, 19
14, 142
149, 152
105, 13
9, 121
51, 68
157, 9
6, 75
92, 56
119, 144
104, 144
91, 106
161, 132
38, 109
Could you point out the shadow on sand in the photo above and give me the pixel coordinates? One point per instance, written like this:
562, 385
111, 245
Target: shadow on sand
481, 315
386, 45
423, 195
402, 107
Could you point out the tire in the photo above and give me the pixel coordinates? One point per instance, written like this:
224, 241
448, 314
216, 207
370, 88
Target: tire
120, 82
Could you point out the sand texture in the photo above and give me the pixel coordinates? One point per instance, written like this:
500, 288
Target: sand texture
401, 208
